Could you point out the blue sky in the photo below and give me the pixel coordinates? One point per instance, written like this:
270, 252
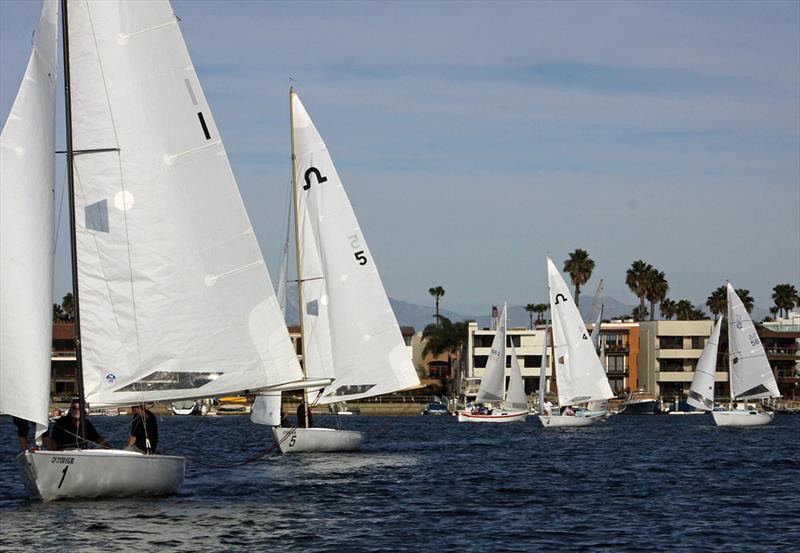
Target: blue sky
476, 138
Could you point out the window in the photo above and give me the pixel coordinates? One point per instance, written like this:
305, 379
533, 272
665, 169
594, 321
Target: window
670, 365
698, 342
479, 360
670, 342
615, 363
515, 341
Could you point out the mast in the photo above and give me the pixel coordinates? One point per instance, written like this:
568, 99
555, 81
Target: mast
505, 347
72, 222
298, 264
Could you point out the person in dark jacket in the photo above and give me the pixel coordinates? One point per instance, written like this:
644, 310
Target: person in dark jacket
144, 430
66, 431
302, 412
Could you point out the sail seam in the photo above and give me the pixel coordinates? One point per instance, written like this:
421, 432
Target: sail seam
235, 271
148, 30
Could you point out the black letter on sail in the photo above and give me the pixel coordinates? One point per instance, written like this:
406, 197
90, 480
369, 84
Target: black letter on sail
560, 296
316, 172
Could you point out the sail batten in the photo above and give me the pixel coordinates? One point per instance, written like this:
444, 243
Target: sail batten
171, 277
26, 232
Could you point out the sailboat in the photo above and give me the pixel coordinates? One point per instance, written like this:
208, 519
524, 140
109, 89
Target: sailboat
171, 293
349, 333
750, 373
579, 375
512, 404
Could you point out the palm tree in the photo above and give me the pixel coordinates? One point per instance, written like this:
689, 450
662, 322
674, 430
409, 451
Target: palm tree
668, 308
785, 297
444, 336
541, 309
683, 310
656, 289
68, 305
580, 267
639, 313
531, 309
636, 279
437, 292
718, 300
747, 299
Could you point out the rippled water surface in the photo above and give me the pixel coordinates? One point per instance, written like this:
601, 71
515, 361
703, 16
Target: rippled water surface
431, 483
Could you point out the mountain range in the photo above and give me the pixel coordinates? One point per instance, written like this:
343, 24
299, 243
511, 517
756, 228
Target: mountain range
418, 316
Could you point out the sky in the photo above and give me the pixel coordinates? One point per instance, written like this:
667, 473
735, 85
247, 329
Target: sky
476, 138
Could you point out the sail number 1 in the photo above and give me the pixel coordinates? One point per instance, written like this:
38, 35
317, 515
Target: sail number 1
356, 244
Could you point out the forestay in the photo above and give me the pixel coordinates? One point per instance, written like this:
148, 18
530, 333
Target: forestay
349, 328
26, 232
494, 375
751, 374
579, 374
175, 296
701, 393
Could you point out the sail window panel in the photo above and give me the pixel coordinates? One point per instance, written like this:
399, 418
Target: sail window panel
166, 380
96, 216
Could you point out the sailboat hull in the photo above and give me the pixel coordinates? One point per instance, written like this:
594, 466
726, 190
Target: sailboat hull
742, 418
51, 475
309, 440
561, 421
504, 416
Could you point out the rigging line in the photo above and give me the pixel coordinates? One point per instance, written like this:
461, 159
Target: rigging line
60, 207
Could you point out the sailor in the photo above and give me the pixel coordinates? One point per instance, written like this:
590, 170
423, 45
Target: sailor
302, 410
66, 431
548, 407
568, 412
23, 428
144, 431
284, 419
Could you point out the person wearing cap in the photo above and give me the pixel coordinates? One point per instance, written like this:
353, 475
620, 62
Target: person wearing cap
65, 433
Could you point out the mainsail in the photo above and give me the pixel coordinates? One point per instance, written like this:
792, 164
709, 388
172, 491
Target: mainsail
26, 232
349, 328
701, 392
579, 374
494, 375
750, 373
175, 296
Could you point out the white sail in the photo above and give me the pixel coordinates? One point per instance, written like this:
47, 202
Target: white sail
26, 232
349, 328
175, 296
267, 409
283, 275
701, 392
494, 375
579, 374
515, 395
750, 373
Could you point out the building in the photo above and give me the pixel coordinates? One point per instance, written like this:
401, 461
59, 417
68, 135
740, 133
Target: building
668, 353
620, 339
63, 363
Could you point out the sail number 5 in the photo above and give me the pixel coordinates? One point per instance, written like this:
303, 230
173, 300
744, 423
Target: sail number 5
355, 244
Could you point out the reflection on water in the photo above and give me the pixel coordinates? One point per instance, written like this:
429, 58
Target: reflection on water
633, 483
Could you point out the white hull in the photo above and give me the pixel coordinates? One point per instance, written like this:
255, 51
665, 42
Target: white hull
296, 440
742, 418
92, 473
561, 421
503, 416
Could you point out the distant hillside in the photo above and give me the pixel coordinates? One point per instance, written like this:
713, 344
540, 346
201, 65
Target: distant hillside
418, 316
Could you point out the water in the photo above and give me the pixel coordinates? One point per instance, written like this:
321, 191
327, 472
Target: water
431, 483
